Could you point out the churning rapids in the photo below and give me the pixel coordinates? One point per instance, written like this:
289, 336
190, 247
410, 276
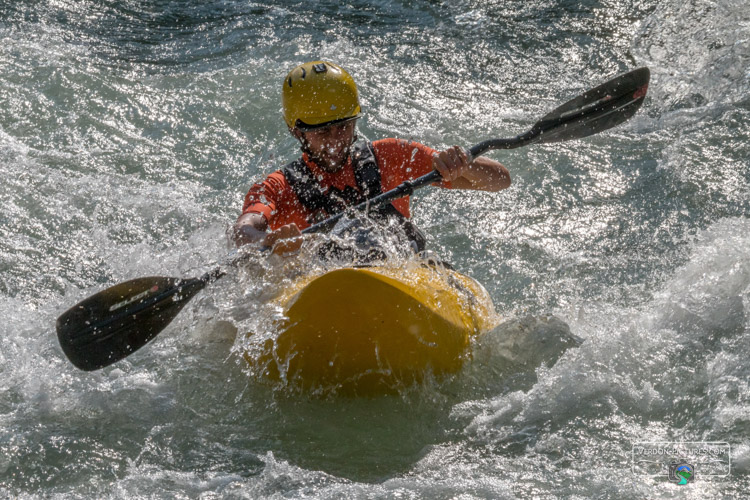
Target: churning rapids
131, 129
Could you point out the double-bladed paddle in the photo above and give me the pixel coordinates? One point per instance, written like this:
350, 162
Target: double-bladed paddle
114, 323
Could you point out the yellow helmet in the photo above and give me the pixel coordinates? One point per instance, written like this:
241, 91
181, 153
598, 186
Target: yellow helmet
318, 93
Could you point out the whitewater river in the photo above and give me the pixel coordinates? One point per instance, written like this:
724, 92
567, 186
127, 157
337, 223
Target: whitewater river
131, 130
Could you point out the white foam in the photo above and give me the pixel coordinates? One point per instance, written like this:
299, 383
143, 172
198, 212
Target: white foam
639, 364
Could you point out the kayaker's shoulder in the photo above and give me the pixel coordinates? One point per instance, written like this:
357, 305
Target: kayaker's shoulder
275, 179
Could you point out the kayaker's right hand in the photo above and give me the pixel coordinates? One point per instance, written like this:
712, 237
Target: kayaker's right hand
251, 228
284, 240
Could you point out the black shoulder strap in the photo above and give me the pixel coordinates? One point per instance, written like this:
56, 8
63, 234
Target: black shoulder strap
367, 173
366, 170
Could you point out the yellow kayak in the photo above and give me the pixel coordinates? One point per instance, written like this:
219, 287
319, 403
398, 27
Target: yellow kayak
366, 330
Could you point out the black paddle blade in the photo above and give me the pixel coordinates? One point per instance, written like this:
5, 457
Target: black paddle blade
115, 322
599, 109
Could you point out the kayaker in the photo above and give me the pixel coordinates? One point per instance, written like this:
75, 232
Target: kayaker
320, 106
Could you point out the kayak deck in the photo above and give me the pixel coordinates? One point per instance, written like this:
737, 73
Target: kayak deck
366, 330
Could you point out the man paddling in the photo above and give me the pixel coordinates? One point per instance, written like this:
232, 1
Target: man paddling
321, 105
114, 323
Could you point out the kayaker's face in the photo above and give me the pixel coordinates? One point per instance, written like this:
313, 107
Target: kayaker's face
329, 146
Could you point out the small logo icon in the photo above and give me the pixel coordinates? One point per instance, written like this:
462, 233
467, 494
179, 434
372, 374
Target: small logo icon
681, 472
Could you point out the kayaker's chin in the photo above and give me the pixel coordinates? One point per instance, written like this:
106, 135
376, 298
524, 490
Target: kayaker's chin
329, 147
329, 158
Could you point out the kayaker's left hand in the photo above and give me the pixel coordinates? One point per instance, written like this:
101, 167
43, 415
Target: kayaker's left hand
451, 163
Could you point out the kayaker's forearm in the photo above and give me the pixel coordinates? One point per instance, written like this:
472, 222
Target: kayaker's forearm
249, 228
484, 174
